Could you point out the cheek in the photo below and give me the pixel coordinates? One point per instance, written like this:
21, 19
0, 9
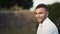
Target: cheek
42, 15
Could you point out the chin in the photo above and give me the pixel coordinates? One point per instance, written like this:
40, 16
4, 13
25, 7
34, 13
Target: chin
39, 21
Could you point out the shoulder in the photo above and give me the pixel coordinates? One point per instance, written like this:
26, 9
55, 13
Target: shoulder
52, 27
49, 26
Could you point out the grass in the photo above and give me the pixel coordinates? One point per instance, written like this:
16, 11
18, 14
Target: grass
18, 32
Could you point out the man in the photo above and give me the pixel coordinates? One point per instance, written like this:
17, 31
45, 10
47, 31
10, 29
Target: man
46, 26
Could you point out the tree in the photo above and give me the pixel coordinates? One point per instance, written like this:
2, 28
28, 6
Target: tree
26, 4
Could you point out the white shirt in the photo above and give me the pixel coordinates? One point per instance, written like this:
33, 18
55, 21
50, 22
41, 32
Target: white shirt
47, 27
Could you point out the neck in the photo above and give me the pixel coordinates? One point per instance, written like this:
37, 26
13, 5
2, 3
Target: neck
43, 20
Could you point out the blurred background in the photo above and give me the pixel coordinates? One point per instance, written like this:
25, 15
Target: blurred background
17, 16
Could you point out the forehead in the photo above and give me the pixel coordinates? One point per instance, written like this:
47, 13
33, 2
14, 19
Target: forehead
40, 10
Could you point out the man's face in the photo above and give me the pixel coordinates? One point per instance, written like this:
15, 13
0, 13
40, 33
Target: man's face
40, 14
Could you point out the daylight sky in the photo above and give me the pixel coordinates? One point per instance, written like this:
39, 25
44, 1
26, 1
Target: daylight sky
36, 2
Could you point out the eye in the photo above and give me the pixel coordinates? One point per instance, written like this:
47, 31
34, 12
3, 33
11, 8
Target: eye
40, 12
35, 13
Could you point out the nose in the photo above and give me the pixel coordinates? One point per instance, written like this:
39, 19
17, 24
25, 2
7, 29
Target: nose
37, 15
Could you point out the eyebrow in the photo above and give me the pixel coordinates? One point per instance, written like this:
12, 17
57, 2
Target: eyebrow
38, 12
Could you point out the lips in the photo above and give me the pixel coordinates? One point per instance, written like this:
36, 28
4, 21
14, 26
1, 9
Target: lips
39, 19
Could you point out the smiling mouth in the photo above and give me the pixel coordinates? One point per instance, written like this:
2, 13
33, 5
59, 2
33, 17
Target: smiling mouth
39, 18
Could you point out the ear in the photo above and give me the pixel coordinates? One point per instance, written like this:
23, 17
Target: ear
47, 13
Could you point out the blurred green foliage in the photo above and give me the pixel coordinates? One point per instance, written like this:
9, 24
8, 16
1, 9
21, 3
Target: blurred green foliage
54, 10
18, 32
